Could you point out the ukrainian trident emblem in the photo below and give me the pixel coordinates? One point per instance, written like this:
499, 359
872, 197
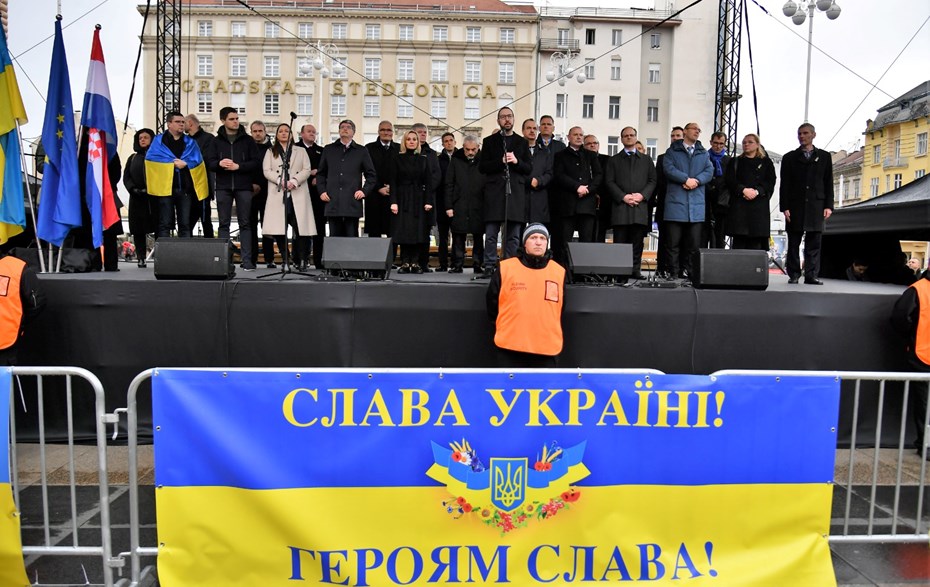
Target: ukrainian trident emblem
508, 490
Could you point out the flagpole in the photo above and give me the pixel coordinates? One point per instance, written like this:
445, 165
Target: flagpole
32, 202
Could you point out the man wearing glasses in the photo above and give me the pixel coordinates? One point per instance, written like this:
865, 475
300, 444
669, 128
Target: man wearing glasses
717, 199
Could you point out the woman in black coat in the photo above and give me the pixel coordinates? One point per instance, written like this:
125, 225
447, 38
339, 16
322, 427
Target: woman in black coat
143, 212
750, 179
412, 199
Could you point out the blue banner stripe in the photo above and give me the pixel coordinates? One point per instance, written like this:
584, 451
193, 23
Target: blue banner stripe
5, 384
217, 429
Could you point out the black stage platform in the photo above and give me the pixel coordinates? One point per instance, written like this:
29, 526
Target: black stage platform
118, 324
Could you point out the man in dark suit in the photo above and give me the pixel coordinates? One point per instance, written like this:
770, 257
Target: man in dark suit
504, 155
806, 200
346, 177
604, 204
630, 180
716, 196
314, 152
432, 160
577, 175
537, 193
378, 207
443, 225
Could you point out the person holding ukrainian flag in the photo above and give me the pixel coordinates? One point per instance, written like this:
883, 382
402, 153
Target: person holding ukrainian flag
175, 171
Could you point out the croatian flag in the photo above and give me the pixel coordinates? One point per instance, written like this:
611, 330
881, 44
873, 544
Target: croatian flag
100, 128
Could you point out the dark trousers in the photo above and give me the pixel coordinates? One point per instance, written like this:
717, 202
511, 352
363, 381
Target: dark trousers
511, 241
811, 254
515, 359
458, 249
410, 254
202, 211
224, 203
138, 239
918, 393
178, 202
341, 226
443, 226
257, 217
755, 243
662, 247
111, 247
585, 226
683, 239
633, 234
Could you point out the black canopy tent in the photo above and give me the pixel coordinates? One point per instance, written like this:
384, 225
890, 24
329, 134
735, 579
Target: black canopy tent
872, 230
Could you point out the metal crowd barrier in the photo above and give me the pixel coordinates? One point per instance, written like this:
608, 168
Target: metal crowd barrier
54, 541
850, 529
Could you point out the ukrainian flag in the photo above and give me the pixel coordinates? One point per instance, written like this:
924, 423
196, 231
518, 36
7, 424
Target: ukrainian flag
557, 478
160, 172
12, 208
12, 570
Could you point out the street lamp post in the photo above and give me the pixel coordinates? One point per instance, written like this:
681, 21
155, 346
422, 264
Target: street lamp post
323, 57
795, 11
561, 66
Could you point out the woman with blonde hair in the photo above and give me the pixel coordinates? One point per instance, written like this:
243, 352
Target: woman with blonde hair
288, 197
412, 198
750, 179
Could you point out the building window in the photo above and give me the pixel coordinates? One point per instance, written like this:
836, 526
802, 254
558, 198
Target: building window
337, 105
505, 72
340, 30
897, 180
237, 66
204, 28
372, 106
472, 108
237, 101
655, 40
304, 67
589, 36
440, 34
920, 173
613, 145
560, 101
589, 68
345, 70
504, 100
272, 30
472, 72
373, 32
921, 144
563, 37
205, 102
652, 148
404, 108
473, 34
205, 65
372, 68
405, 70
855, 189
616, 37
405, 32
897, 151
613, 108
305, 30
237, 28
508, 36
587, 106
437, 108
272, 66
615, 68
652, 111
655, 75
887, 183
272, 107
440, 70
873, 187
876, 154
305, 105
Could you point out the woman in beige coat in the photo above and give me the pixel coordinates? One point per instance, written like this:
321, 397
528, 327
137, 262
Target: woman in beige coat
297, 210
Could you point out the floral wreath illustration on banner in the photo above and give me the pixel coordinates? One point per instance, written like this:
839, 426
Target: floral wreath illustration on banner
510, 493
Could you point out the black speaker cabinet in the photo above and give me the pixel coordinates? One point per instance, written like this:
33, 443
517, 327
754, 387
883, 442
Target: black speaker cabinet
730, 269
357, 254
600, 259
193, 258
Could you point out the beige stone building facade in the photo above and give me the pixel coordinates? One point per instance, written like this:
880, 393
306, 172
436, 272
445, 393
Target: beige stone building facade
447, 64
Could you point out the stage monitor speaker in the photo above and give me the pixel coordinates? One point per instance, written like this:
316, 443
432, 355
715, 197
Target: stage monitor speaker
357, 254
600, 259
193, 258
730, 269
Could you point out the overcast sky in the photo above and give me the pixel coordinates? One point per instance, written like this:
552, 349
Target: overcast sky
866, 38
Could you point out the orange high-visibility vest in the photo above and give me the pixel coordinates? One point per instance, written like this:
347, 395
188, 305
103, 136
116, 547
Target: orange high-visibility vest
529, 319
922, 344
11, 304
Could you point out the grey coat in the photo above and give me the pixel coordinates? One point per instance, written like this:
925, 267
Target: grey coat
629, 175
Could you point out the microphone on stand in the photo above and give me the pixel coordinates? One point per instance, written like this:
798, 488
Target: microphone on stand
293, 115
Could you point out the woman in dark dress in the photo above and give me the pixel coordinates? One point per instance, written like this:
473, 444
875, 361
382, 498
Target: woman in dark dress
143, 212
750, 179
411, 202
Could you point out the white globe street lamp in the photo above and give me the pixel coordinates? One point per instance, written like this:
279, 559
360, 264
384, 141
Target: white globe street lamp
795, 11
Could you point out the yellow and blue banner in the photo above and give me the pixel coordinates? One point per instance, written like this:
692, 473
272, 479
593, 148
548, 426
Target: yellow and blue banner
12, 111
12, 569
484, 477
160, 172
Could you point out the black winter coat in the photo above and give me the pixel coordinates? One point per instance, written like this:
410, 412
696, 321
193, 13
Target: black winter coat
539, 197
143, 211
572, 169
410, 181
492, 166
627, 174
344, 171
378, 207
465, 194
243, 151
750, 217
806, 189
